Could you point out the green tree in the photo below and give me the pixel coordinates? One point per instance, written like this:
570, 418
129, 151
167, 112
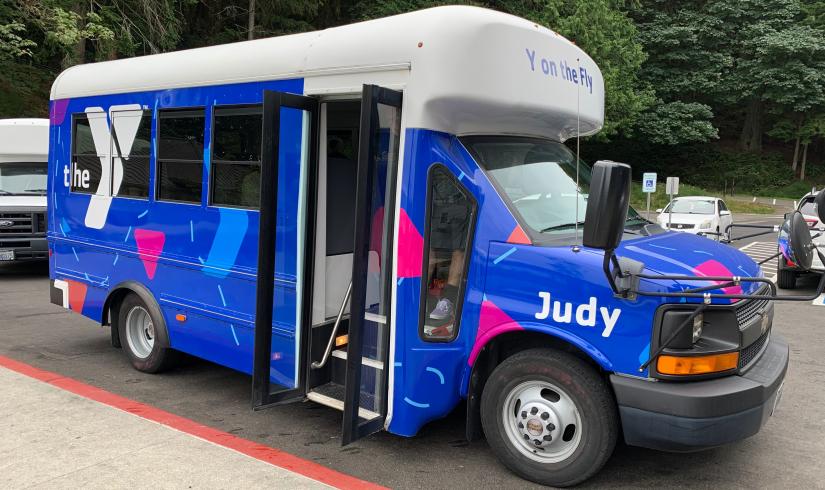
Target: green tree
676, 123
13, 44
751, 56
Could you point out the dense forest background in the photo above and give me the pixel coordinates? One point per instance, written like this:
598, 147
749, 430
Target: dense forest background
725, 93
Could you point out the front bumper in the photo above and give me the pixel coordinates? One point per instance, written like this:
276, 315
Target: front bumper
691, 416
26, 248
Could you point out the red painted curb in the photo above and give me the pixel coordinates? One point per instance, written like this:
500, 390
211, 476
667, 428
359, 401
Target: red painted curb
267, 454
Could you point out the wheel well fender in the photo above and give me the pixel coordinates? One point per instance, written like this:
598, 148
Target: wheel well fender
496, 349
112, 305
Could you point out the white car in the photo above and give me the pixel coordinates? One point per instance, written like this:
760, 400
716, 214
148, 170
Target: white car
786, 275
697, 214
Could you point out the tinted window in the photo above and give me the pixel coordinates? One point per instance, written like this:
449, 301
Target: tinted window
180, 155
450, 218
236, 156
87, 168
135, 152
180, 135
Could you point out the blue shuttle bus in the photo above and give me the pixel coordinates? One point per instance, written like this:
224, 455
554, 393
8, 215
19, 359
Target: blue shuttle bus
383, 218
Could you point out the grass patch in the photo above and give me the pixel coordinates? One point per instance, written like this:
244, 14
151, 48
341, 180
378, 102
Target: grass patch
659, 199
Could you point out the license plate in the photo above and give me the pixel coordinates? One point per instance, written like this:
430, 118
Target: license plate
6, 255
778, 397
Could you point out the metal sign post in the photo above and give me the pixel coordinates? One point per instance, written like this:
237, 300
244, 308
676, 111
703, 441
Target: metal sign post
649, 187
672, 189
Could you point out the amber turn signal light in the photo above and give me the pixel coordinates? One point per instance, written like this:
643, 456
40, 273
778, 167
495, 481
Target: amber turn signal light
683, 366
341, 340
180, 317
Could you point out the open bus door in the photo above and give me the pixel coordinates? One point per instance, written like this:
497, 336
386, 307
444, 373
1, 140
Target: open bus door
367, 368
290, 143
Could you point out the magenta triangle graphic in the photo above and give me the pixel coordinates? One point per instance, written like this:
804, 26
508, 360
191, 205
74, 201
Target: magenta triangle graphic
492, 317
149, 245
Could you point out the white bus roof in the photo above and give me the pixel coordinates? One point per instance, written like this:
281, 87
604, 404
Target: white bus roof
24, 140
466, 70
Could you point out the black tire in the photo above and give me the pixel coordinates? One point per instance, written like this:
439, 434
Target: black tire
160, 358
785, 278
590, 395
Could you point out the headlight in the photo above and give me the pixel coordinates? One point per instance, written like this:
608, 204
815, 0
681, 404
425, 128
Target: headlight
705, 224
688, 335
698, 321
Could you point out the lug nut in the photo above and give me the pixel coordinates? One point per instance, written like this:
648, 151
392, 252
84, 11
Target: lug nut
537, 442
534, 411
524, 414
548, 437
520, 425
545, 416
551, 427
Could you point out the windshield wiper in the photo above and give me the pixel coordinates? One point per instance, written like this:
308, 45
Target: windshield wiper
561, 227
5, 193
35, 190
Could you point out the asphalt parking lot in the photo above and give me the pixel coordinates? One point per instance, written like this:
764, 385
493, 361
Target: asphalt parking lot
788, 452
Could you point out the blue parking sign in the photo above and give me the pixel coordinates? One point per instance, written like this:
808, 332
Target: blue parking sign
649, 182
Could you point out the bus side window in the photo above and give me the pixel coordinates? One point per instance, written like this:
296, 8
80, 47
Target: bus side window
180, 155
450, 222
135, 160
236, 157
86, 170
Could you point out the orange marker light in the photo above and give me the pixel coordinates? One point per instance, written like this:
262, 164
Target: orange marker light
341, 340
683, 366
180, 317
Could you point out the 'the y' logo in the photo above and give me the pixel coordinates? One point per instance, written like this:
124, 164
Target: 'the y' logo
112, 144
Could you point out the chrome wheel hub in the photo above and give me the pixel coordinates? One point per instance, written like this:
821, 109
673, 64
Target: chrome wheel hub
542, 421
140, 332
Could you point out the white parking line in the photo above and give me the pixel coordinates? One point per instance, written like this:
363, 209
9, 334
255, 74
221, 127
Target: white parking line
760, 251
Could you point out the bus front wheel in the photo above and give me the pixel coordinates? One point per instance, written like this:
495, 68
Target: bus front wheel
549, 417
139, 331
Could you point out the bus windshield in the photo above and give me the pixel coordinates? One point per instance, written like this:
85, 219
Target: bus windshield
538, 177
23, 179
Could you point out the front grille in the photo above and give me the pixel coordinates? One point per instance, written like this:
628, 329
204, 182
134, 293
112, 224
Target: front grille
39, 222
748, 309
749, 353
681, 226
14, 243
16, 224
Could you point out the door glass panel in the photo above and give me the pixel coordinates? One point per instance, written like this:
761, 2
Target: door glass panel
293, 153
376, 310
289, 130
365, 404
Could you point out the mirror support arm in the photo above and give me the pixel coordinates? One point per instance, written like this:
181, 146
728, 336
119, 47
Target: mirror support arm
609, 256
773, 296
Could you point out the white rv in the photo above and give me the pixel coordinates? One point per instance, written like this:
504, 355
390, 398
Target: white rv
24, 152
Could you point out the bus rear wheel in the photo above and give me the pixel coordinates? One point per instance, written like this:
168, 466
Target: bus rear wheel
549, 417
140, 330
